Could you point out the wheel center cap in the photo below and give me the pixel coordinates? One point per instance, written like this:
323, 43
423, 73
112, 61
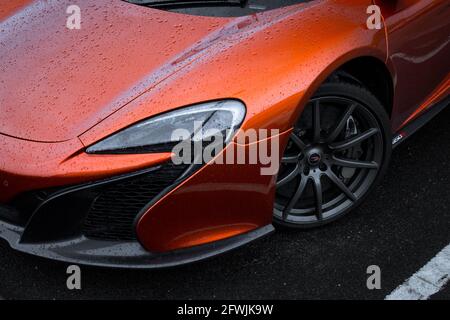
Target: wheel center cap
314, 157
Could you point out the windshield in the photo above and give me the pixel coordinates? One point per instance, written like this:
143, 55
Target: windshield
216, 8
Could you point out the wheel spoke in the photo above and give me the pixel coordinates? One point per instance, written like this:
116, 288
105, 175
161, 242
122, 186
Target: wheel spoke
289, 177
340, 185
298, 141
298, 193
346, 144
289, 159
342, 123
316, 121
350, 163
318, 196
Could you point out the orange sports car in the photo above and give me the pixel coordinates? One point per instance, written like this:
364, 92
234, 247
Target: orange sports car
101, 99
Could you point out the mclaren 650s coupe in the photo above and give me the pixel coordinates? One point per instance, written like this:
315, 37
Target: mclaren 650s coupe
101, 99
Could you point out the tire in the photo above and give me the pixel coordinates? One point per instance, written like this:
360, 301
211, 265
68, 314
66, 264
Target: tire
316, 183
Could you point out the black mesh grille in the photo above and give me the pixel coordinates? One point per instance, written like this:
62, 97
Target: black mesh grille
112, 214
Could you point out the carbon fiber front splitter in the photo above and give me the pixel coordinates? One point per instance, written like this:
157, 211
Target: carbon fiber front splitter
81, 250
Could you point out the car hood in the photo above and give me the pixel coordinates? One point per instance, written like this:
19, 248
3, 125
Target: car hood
57, 83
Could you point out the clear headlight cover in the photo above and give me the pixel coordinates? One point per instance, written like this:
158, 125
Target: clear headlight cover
156, 134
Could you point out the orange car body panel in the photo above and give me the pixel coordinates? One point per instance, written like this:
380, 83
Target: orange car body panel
62, 90
72, 79
419, 51
27, 165
218, 202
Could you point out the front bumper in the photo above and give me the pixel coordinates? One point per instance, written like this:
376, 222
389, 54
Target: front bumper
95, 223
212, 210
120, 254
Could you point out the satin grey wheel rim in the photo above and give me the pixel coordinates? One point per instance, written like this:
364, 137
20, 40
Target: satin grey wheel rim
314, 171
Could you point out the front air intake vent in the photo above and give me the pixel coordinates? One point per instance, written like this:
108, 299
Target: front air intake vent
114, 210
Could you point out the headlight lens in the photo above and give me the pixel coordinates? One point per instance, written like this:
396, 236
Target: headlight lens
156, 134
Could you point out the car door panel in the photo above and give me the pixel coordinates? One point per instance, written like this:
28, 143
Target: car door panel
419, 50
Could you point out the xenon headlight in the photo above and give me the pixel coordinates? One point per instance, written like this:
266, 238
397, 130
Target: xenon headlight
162, 132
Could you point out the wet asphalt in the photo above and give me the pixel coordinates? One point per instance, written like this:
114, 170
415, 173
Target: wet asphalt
403, 224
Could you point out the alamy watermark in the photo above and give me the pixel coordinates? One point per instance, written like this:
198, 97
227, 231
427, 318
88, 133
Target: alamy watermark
73, 21
374, 280
73, 281
249, 146
374, 19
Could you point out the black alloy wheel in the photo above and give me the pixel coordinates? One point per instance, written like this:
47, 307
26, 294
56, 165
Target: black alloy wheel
337, 152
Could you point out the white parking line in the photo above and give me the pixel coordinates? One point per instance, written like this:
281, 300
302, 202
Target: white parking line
427, 281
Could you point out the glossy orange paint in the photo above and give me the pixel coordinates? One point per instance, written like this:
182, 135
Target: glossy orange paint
62, 90
218, 202
27, 165
9, 7
70, 80
273, 61
419, 51
442, 91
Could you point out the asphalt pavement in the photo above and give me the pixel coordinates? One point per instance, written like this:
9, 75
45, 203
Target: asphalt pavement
401, 226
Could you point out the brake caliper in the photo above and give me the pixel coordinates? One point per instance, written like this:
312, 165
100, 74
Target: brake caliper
356, 152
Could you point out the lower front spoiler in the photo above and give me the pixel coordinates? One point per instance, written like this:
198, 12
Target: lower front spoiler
122, 254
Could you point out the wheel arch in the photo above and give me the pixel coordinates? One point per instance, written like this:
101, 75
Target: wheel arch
371, 73
359, 64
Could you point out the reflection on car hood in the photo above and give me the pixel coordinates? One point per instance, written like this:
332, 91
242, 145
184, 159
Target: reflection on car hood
56, 83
